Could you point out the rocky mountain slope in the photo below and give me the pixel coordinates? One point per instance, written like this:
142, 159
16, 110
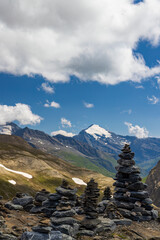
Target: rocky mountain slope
24, 168
67, 148
153, 182
93, 148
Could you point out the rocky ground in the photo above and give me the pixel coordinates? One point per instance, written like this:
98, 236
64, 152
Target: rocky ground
17, 222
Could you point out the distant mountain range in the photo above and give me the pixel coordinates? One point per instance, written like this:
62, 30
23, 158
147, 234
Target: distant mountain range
94, 148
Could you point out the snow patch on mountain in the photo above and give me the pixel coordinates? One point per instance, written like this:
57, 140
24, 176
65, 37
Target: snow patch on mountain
79, 181
17, 172
6, 129
96, 131
62, 132
12, 182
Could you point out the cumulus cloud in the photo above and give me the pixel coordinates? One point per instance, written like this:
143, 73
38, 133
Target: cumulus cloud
93, 40
20, 112
153, 99
139, 132
65, 122
52, 104
62, 132
88, 105
47, 88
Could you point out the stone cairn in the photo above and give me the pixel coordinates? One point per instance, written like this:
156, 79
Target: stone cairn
63, 218
89, 223
131, 197
107, 194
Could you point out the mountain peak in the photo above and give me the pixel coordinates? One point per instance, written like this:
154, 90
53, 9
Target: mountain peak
96, 131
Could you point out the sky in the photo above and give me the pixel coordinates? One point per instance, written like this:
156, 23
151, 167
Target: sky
65, 65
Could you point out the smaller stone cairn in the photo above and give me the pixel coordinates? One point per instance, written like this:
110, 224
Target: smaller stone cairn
131, 197
45, 203
105, 200
90, 222
63, 218
107, 194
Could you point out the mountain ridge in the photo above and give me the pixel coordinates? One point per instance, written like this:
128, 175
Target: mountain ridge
94, 146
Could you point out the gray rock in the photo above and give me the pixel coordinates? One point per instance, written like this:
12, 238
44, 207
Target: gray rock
105, 225
86, 233
54, 235
147, 201
42, 229
61, 214
49, 203
7, 237
12, 206
125, 205
124, 221
67, 229
140, 195
154, 214
23, 201
54, 197
66, 192
36, 209
40, 197
128, 170
137, 186
90, 224
63, 221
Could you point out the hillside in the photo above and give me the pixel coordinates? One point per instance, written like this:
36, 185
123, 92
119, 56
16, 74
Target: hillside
153, 181
46, 170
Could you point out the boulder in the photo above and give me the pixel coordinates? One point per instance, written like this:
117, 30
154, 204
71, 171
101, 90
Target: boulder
12, 206
23, 201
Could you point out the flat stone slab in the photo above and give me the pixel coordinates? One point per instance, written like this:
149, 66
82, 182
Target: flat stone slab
124, 221
106, 224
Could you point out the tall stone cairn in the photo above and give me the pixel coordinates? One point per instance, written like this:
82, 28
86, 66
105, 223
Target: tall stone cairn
131, 197
91, 220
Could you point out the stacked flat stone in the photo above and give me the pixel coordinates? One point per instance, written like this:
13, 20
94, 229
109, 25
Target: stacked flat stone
89, 223
131, 197
63, 218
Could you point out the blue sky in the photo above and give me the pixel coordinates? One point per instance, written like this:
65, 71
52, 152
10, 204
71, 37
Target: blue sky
98, 71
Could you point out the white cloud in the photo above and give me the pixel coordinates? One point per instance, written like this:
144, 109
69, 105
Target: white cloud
129, 111
158, 80
153, 99
92, 39
139, 132
62, 132
88, 105
47, 88
52, 104
139, 86
65, 122
20, 112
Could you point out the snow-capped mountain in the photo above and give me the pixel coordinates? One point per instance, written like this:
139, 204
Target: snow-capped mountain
101, 139
147, 150
9, 129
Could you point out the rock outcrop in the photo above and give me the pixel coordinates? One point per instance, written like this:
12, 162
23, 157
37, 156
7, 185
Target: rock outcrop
153, 182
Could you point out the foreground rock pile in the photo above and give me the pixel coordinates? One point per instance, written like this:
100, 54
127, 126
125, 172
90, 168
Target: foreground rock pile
131, 197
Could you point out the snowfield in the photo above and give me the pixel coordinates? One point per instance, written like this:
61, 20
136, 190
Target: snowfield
17, 172
79, 181
12, 182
